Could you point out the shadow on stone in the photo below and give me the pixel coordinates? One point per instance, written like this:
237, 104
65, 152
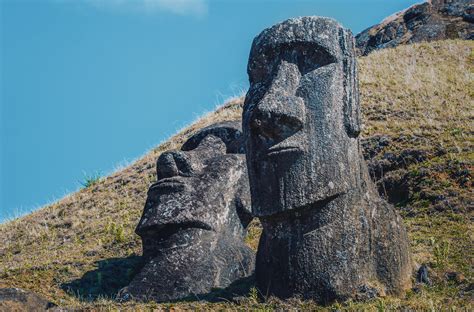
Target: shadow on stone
110, 276
235, 291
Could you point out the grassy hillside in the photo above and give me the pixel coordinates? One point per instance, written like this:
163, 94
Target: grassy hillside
418, 111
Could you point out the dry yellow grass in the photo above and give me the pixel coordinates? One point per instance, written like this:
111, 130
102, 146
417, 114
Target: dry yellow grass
421, 95
423, 89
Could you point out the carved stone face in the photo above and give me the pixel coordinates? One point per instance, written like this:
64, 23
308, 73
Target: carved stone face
194, 221
199, 194
301, 117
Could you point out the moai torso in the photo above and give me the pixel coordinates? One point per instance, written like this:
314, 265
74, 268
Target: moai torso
326, 233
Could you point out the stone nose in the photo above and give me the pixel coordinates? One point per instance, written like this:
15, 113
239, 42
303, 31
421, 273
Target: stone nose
173, 163
280, 113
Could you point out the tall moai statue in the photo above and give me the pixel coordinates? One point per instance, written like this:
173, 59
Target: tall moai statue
327, 234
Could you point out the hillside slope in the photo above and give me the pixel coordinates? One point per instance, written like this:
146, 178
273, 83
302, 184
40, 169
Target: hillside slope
418, 113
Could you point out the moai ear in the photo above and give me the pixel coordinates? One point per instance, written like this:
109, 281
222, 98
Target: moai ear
243, 202
351, 84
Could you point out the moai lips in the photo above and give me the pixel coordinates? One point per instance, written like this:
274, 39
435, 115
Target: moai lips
326, 233
195, 218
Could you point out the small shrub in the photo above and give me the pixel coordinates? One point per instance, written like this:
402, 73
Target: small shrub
381, 307
117, 231
119, 234
253, 295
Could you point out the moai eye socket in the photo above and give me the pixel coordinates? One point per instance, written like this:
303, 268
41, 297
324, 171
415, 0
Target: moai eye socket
310, 57
306, 55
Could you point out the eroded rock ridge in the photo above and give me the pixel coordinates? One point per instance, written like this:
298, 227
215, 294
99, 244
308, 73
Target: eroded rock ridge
429, 21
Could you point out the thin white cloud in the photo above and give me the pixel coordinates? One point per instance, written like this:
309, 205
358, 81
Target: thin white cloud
181, 7
197, 8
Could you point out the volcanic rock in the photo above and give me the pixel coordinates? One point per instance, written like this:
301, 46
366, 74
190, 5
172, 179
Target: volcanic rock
16, 299
429, 21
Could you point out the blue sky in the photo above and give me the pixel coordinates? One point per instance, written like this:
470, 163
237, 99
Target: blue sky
88, 85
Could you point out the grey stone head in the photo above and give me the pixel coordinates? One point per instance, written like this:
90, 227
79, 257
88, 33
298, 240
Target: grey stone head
301, 115
201, 191
194, 220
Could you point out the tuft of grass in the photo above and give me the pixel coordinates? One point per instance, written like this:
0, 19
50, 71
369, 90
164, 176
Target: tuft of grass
117, 232
90, 179
441, 253
78, 251
253, 295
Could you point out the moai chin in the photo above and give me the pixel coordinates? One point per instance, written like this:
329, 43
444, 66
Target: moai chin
194, 221
327, 234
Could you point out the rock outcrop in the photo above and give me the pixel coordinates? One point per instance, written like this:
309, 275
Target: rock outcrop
432, 20
16, 300
195, 218
327, 235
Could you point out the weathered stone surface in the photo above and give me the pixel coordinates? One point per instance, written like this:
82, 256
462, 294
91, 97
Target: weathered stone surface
193, 224
16, 300
422, 275
429, 21
327, 234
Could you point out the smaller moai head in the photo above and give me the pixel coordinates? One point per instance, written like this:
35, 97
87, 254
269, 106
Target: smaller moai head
201, 192
301, 115
194, 220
